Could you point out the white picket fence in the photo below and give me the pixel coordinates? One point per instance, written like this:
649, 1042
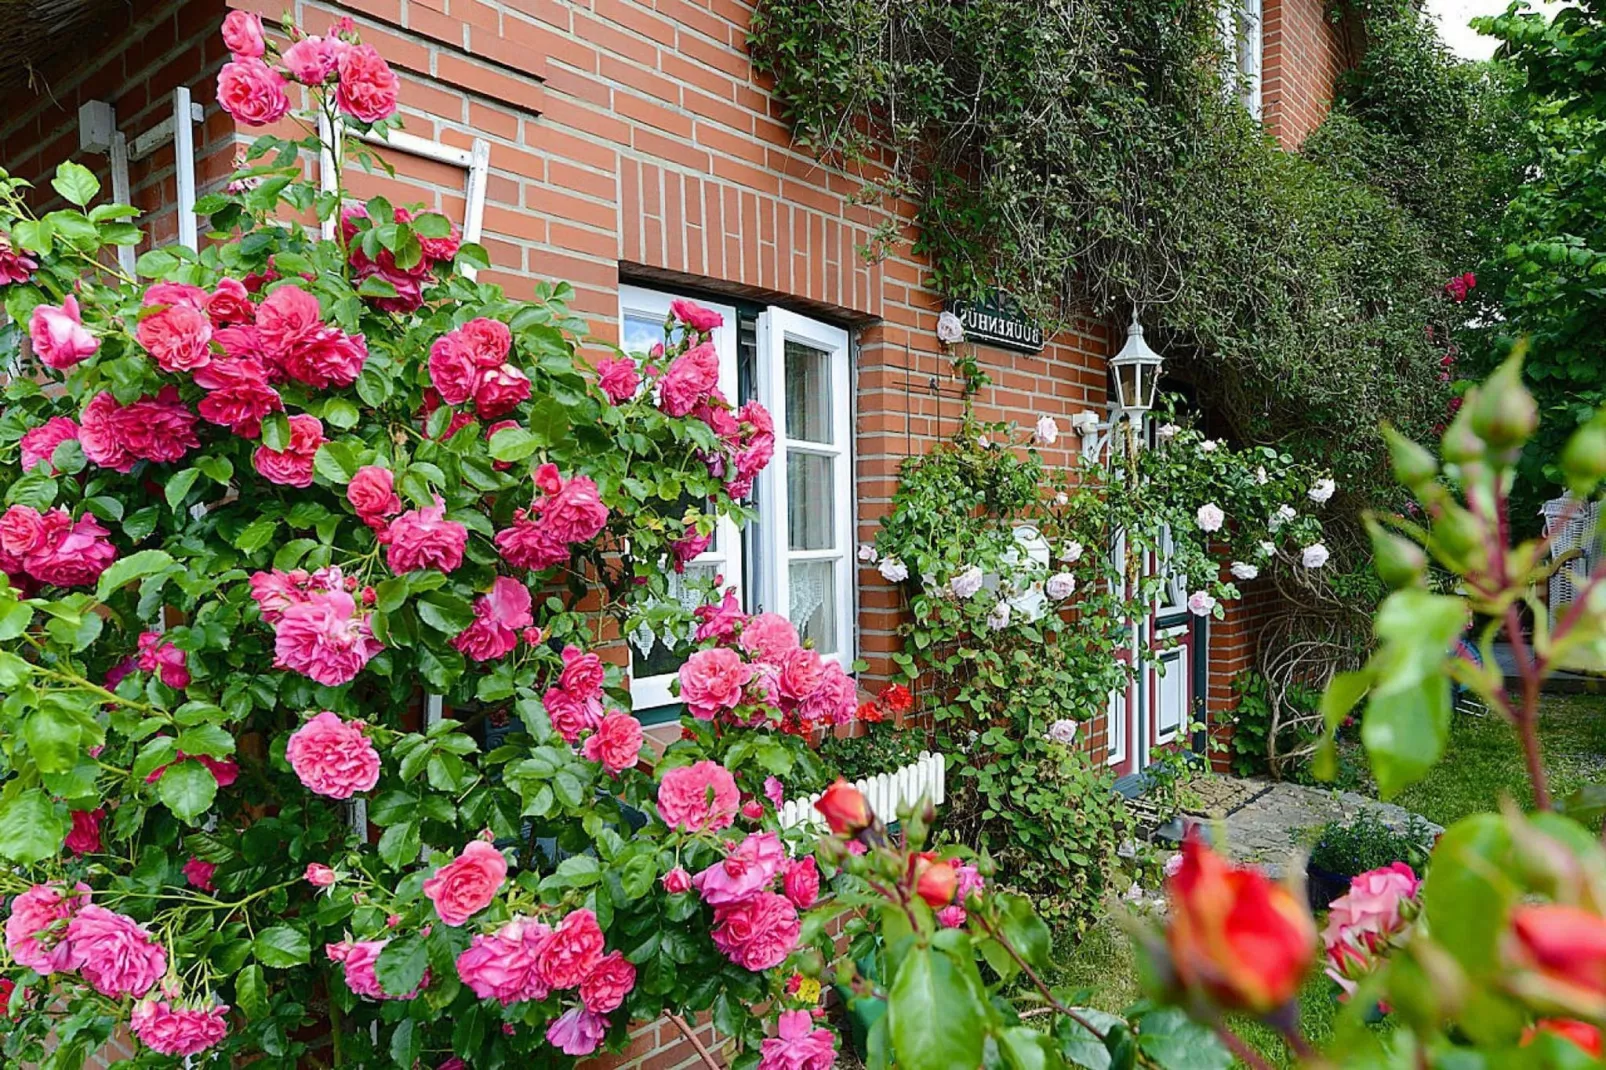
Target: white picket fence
886, 793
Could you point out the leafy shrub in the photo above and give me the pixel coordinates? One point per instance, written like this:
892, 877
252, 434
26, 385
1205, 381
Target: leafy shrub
1365, 842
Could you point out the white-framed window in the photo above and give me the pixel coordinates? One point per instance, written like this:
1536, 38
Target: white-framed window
803, 542
653, 663
1242, 33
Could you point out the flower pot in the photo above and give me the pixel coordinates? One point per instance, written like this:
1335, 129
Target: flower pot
1322, 886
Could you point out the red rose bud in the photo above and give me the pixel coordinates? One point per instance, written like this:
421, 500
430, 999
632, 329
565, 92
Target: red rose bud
935, 880
1237, 938
1560, 956
1582, 1034
845, 809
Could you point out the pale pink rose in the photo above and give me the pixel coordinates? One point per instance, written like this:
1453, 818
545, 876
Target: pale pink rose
797, 1045
117, 956
577, 1031
198, 874
238, 395
424, 538
252, 92
500, 390
37, 925
769, 637
313, 59
333, 758
699, 319
677, 881
711, 681
747, 869
618, 378
319, 875
242, 35
1201, 603
178, 338
357, 959
608, 983
58, 334
690, 378
1210, 517
368, 87
39, 443
84, 836
572, 951
757, 933
468, 883
292, 466
698, 798
802, 883
616, 743
1372, 904
179, 1030
504, 965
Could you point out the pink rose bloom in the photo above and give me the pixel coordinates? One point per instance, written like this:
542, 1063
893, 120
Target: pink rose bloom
333, 758
1370, 910
178, 338
802, 883
199, 874
288, 318
158, 428
158, 655
769, 637
616, 743
468, 883
372, 492
275, 592
39, 443
608, 983
242, 35
801, 673
292, 466
452, 368
504, 965
252, 92
241, 342
571, 715
357, 958
424, 538
797, 1045
757, 933
690, 378
529, 544
744, 871
313, 59
117, 956
499, 617
618, 378
230, 304
168, 294
572, 951
575, 513
582, 673
758, 441
328, 357
500, 390
55, 549
686, 548
84, 836
15, 267
37, 923
100, 434
577, 1031
677, 881
720, 621
488, 341
368, 87
700, 319
319, 875
712, 680
834, 701
58, 334
178, 1030
698, 798
238, 395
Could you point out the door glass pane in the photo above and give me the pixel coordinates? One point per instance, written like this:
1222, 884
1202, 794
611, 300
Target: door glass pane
808, 393
813, 603
811, 501
641, 332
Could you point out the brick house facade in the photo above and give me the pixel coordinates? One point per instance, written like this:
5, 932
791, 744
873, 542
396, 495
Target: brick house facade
631, 150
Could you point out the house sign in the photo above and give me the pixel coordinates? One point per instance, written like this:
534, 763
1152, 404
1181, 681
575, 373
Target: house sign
996, 322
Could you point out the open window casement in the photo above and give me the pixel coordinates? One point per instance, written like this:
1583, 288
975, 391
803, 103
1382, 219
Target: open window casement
805, 532
474, 161
654, 663
1242, 34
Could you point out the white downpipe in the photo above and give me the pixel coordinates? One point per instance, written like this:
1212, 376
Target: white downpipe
184, 167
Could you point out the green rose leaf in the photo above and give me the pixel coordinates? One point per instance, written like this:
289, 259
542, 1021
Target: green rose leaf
187, 788
133, 567
31, 829
401, 964
76, 183
934, 1014
281, 946
1177, 1042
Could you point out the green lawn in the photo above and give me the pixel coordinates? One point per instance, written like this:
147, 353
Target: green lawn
1482, 766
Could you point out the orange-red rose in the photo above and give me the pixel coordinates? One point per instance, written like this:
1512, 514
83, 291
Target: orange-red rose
1560, 956
1582, 1034
845, 809
935, 879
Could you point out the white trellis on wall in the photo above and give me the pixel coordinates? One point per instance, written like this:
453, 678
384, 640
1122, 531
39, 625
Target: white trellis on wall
887, 793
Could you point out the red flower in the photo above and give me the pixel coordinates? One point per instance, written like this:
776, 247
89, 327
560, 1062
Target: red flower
935, 880
898, 699
1560, 956
845, 809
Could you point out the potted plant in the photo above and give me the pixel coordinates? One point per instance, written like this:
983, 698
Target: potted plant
1348, 847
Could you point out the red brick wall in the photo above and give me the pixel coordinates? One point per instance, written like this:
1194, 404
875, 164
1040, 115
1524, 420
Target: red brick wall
1304, 52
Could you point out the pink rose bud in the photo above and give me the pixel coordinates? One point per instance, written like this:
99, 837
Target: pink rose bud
677, 881
319, 875
752, 809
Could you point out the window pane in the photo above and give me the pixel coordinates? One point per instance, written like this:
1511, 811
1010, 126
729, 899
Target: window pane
641, 333
811, 501
655, 654
813, 603
808, 393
